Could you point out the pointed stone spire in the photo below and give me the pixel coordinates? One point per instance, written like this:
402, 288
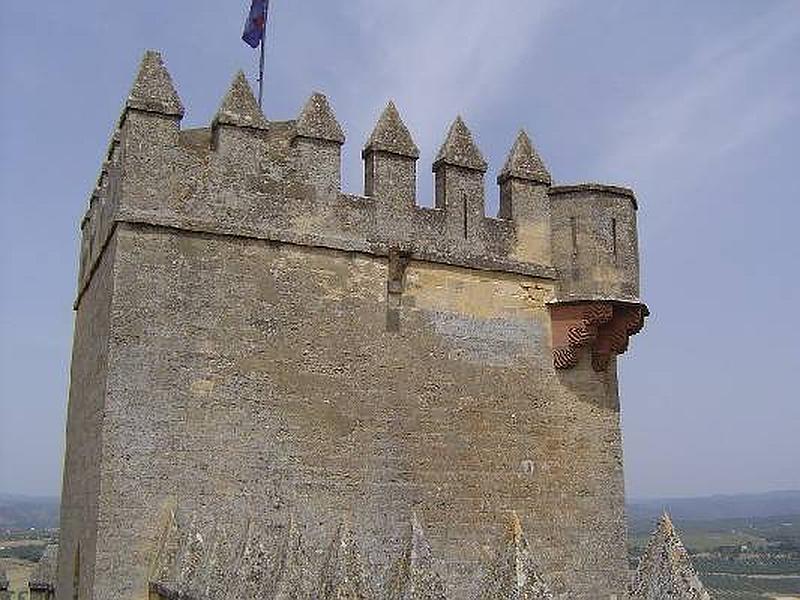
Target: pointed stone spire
258, 566
524, 163
191, 561
391, 135
665, 571
153, 90
217, 571
165, 566
317, 121
342, 576
293, 566
239, 107
459, 149
514, 575
414, 577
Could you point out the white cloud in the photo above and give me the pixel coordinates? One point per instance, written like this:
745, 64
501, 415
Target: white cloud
446, 57
714, 105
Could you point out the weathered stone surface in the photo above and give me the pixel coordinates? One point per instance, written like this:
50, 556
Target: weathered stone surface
317, 121
665, 571
342, 576
414, 576
391, 135
459, 149
514, 574
248, 334
524, 162
595, 242
153, 90
239, 106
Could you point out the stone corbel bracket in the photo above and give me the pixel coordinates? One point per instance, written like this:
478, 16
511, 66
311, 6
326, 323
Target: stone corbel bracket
604, 326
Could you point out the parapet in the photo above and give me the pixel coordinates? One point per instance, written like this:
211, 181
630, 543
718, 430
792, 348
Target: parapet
281, 181
202, 561
595, 242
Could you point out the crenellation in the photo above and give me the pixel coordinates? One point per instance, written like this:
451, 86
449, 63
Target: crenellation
239, 107
153, 90
317, 146
459, 170
390, 164
524, 183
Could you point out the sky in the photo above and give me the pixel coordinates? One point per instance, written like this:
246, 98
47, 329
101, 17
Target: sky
696, 105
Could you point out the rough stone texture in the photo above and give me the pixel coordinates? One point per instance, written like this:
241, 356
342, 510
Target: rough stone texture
153, 90
249, 336
273, 562
317, 121
392, 135
595, 243
316, 147
514, 575
239, 107
459, 148
524, 183
415, 575
665, 571
42, 581
524, 163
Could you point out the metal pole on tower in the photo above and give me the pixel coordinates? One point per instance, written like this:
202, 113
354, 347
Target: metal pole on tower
263, 56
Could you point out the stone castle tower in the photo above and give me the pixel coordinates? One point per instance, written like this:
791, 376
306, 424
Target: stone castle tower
279, 389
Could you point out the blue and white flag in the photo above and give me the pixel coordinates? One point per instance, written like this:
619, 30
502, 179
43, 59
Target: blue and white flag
256, 23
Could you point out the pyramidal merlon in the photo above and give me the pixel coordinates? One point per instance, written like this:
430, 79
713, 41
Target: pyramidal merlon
153, 90
414, 575
392, 135
459, 149
239, 106
514, 574
317, 121
665, 570
524, 162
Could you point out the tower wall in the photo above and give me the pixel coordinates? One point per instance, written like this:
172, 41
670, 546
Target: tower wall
259, 340
595, 242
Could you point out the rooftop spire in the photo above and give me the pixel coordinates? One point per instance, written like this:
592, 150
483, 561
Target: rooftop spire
524, 162
317, 121
153, 90
392, 135
239, 107
665, 570
459, 149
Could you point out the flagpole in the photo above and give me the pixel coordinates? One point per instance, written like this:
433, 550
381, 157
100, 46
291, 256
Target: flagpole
263, 57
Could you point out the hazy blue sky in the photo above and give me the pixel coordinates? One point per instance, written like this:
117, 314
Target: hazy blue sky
694, 104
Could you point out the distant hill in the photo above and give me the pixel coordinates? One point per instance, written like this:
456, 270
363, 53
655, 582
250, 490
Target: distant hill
26, 512
736, 506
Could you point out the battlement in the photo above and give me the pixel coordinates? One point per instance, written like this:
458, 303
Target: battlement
281, 181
